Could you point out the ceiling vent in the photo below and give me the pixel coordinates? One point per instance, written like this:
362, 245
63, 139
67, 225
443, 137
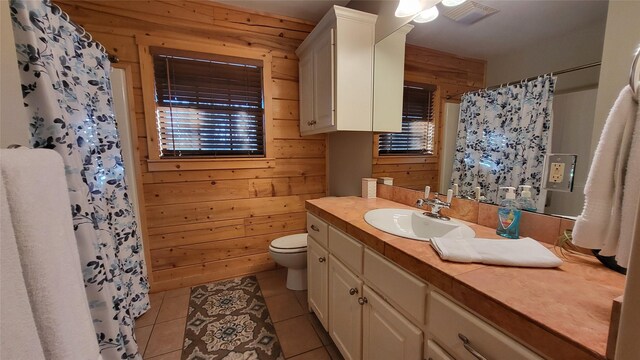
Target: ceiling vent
468, 13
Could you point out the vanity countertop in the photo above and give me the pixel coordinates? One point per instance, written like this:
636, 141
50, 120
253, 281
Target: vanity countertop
563, 313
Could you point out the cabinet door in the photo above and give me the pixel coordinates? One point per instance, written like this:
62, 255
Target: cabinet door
306, 92
345, 322
324, 79
386, 333
317, 279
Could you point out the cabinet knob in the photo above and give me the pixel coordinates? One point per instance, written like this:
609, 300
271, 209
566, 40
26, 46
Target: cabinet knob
362, 300
322, 259
353, 291
469, 348
314, 227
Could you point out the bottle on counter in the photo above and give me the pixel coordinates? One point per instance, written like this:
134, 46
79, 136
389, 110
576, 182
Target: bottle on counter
525, 202
509, 215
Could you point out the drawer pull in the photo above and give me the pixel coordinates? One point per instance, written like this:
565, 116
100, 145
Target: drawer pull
353, 291
322, 259
362, 300
314, 227
469, 348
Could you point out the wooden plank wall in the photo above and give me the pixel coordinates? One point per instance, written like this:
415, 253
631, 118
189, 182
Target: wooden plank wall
452, 75
204, 225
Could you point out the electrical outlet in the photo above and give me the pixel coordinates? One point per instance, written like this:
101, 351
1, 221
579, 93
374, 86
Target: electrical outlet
556, 175
560, 169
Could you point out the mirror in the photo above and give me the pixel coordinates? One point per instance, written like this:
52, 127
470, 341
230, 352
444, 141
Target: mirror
512, 41
387, 22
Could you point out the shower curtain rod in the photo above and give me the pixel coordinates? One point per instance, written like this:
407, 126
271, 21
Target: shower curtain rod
559, 72
113, 58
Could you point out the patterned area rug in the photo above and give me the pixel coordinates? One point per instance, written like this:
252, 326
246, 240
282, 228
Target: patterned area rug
229, 320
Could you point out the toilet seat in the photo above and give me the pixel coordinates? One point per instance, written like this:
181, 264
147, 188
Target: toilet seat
290, 244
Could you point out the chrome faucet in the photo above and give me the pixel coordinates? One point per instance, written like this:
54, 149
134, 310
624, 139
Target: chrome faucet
436, 205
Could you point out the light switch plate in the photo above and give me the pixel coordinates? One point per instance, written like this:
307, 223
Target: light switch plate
559, 172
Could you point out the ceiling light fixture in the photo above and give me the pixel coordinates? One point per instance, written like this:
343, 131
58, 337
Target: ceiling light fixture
408, 8
452, 3
427, 15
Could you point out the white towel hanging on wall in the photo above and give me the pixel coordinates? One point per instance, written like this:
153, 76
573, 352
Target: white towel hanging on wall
38, 202
600, 225
17, 341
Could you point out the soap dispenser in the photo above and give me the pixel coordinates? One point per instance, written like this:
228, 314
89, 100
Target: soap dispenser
525, 202
509, 215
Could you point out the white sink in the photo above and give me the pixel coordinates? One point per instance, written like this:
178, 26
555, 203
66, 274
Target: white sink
413, 225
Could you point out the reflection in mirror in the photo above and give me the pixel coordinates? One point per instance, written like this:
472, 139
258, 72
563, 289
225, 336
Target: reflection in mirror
510, 50
442, 74
503, 139
387, 22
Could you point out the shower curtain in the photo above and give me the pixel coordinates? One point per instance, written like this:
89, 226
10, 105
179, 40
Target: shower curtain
67, 94
503, 137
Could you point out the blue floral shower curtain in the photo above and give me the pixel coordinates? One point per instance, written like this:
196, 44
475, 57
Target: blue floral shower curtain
503, 137
67, 93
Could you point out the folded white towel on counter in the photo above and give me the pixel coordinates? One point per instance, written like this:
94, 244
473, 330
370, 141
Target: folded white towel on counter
524, 252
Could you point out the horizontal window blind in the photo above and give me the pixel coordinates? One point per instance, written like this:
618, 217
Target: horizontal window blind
417, 133
208, 105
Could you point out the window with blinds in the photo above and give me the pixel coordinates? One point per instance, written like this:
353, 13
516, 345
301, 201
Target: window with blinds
208, 105
417, 136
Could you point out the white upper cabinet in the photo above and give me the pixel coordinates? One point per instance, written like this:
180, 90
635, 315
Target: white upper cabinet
336, 73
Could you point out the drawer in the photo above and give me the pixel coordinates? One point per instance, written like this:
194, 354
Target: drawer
435, 352
396, 285
347, 249
449, 323
317, 229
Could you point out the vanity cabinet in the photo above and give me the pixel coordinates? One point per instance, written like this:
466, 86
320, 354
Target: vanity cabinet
336, 73
363, 324
375, 310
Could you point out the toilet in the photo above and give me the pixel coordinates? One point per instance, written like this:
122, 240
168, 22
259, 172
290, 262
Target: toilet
291, 252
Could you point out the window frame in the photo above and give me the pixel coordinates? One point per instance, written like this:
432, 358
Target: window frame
157, 163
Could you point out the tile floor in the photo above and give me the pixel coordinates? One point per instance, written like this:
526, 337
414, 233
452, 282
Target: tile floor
160, 331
